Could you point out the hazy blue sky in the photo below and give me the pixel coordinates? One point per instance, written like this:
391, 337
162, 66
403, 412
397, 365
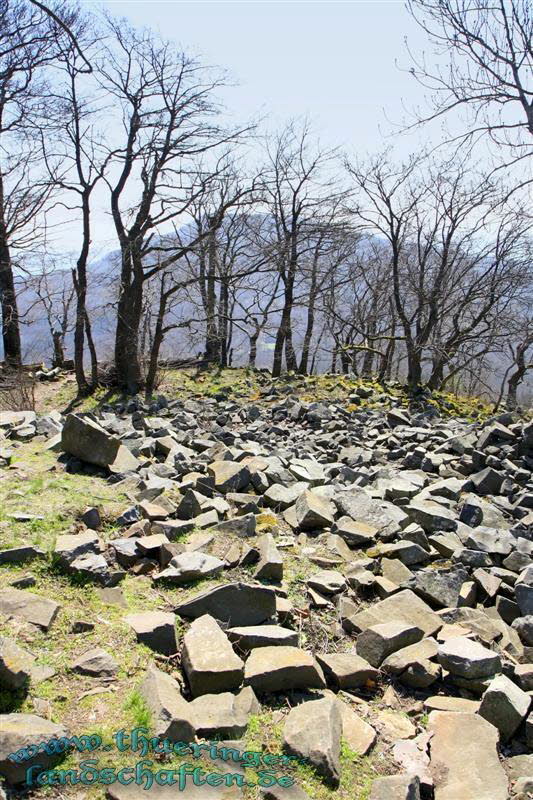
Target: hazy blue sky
330, 59
337, 62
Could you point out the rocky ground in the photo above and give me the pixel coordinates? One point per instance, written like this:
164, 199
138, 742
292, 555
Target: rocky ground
347, 581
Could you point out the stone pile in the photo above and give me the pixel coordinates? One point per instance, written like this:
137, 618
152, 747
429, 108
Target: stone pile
417, 534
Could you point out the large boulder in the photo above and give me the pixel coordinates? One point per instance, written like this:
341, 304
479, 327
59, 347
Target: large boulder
313, 511
33, 608
313, 731
229, 476
156, 630
468, 659
403, 607
233, 604
85, 439
505, 705
276, 669
172, 715
376, 643
464, 757
208, 658
19, 731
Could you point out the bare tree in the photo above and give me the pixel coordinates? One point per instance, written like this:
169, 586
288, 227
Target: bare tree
299, 193
55, 293
486, 47
78, 147
29, 43
169, 118
452, 273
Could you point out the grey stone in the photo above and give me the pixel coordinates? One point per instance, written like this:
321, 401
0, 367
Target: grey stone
313, 731
396, 787
21, 554
248, 637
408, 553
219, 716
88, 441
229, 476
156, 630
187, 567
437, 587
504, 705
15, 665
431, 516
270, 565
464, 758
233, 603
376, 643
96, 663
275, 669
68, 547
19, 731
404, 607
172, 716
524, 627
208, 658
313, 511
33, 608
327, 582
346, 670
468, 659
355, 534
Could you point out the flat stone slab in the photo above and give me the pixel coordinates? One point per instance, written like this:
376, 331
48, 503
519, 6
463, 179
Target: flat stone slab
464, 758
31, 607
440, 702
209, 660
21, 730
251, 636
404, 607
357, 733
155, 629
313, 730
276, 669
233, 603
202, 792
347, 670
468, 659
187, 567
96, 663
396, 787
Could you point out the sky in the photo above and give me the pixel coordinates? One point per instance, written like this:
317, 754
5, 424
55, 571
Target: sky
333, 60
336, 61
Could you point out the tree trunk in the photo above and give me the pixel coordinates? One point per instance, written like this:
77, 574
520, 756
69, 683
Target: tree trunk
8, 297
59, 354
304, 360
129, 313
156, 343
278, 348
414, 366
518, 376
212, 341
92, 352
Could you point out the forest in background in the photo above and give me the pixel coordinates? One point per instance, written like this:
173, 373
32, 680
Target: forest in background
236, 245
